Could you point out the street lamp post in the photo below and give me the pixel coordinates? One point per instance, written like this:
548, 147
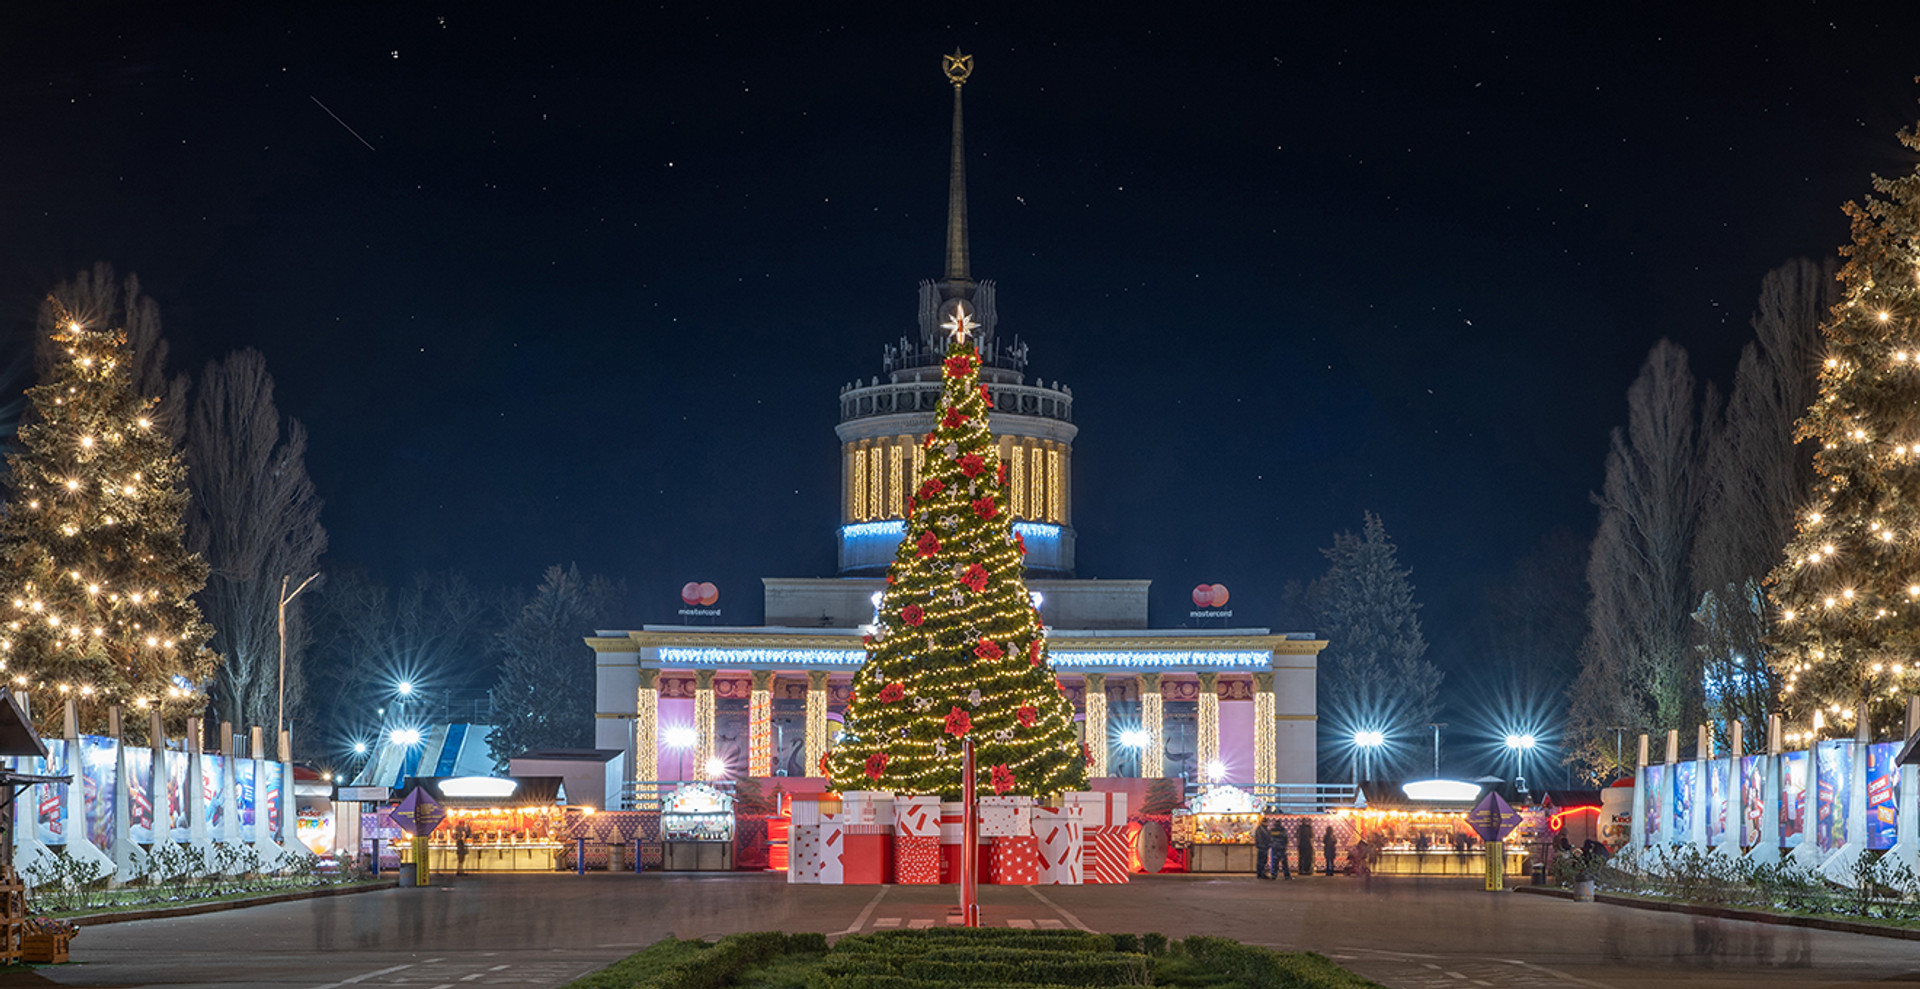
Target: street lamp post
1520, 745
1366, 741
1436, 726
280, 715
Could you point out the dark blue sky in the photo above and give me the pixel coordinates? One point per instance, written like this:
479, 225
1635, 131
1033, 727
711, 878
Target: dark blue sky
591, 292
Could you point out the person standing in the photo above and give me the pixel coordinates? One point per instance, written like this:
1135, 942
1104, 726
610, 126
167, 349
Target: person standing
1328, 846
1280, 851
460, 851
1262, 849
1303, 836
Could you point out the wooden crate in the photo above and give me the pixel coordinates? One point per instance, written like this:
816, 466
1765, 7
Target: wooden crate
44, 948
13, 915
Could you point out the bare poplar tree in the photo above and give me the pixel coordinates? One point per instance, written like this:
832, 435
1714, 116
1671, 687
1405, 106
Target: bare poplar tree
1637, 670
1753, 480
255, 519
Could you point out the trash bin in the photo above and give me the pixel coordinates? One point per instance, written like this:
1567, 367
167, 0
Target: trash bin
1539, 874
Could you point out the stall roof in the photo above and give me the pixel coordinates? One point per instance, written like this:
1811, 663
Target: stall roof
528, 791
574, 755
17, 736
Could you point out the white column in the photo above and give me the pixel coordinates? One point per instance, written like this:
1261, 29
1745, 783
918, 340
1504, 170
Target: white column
1153, 722
816, 720
1095, 730
646, 728
760, 725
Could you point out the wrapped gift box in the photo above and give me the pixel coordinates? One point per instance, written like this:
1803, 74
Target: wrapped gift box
817, 851
1105, 855
1100, 810
916, 859
807, 807
865, 808
1016, 860
866, 856
1006, 817
1060, 836
917, 816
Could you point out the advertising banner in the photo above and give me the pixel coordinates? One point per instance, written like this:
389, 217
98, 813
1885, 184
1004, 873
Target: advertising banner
213, 795
1883, 789
139, 795
100, 774
1833, 771
177, 795
1717, 779
243, 794
1753, 799
271, 780
50, 799
1654, 788
1793, 799
1685, 774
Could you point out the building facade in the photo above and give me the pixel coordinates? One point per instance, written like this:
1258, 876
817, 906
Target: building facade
1233, 705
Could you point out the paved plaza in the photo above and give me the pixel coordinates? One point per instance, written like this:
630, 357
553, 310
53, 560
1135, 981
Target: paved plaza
545, 930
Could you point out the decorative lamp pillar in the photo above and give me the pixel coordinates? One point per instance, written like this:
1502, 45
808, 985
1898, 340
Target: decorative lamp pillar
1266, 761
702, 722
1207, 726
760, 725
816, 721
646, 728
1153, 758
1096, 723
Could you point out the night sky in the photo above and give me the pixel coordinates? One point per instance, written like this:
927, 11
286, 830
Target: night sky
584, 286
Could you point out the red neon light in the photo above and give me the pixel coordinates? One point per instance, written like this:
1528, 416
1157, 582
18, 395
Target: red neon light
1557, 820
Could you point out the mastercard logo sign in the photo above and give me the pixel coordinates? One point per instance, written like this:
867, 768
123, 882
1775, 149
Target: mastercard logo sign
1210, 596
699, 592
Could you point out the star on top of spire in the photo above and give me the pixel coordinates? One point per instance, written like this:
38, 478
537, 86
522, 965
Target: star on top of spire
961, 324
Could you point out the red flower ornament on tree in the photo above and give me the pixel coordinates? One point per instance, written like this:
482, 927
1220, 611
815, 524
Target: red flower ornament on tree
929, 543
1002, 476
1026, 715
1033, 653
1020, 541
975, 577
985, 508
876, 765
927, 444
913, 615
988, 649
958, 365
954, 418
972, 464
958, 722
986, 396
1002, 778
892, 692
931, 488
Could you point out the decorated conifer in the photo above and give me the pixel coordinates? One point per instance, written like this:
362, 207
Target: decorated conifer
1847, 643
958, 651
95, 584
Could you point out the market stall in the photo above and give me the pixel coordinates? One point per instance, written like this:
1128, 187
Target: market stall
1421, 829
696, 828
1218, 833
505, 824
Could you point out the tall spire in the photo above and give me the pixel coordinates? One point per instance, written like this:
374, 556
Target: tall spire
959, 273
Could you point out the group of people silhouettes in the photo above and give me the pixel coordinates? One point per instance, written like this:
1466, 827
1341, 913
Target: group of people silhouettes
1271, 844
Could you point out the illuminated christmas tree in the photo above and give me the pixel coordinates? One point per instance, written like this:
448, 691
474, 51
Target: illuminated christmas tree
1847, 644
958, 651
95, 583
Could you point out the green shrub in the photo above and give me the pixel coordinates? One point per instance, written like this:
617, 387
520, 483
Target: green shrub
1260, 968
716, 967
1153, 944
1126, 942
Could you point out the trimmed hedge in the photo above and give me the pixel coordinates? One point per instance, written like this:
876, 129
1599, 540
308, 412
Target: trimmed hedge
716, 966
963, 963
1264, 969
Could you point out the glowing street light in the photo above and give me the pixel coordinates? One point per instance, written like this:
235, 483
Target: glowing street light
1216, 771
1135, 738
679, 737
404, 687
1520, 745
404, 736
1366, 740
716, 768
359, 748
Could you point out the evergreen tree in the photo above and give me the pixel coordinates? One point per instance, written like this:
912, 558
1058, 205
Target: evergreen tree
94, 577
544, 697
958, 651
1374, 675
1849, 588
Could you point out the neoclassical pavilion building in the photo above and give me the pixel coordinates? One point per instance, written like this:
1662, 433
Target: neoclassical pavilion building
1229, 704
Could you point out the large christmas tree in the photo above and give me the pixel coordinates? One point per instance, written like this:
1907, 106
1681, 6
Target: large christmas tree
95, 582
958, 651
1847, 644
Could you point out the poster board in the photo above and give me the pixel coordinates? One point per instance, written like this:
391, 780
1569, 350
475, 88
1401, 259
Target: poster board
1793, 799
1655, 790
1883, 795
99, 777
1753, 799
1685, 775
1833, 792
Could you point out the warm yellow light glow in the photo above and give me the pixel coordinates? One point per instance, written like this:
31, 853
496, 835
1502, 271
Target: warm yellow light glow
1833, 362
1884, 315
72, 485
1788, 614
1830, 602
74, 326
86, 442
146, 423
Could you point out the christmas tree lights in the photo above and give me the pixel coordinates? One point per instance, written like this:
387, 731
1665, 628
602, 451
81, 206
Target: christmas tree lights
1848, 592
957, 651
95, 583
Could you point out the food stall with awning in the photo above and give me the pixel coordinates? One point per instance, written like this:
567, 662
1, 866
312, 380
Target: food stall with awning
509, 824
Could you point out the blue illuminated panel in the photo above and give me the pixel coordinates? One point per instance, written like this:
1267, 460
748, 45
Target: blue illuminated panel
1208, 659
1211, 659
718, 657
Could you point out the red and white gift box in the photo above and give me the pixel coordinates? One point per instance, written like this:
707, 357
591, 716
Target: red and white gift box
865, 808
916, 859
1105, 856
1006, 817
817, 851
866, 856
1060, 835
917, 817
951, 814
1016, 860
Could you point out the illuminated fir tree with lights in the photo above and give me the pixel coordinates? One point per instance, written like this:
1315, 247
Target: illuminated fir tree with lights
94, 579
958, 650
1847, 644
